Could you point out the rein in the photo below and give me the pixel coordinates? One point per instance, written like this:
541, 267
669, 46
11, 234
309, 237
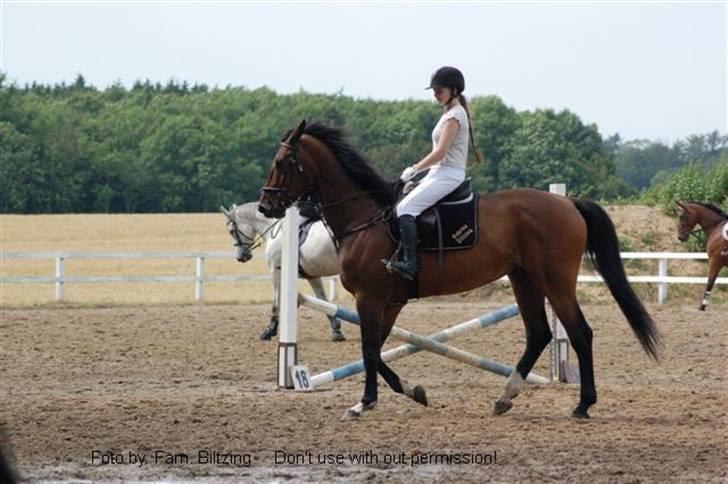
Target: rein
698, 234
382, 215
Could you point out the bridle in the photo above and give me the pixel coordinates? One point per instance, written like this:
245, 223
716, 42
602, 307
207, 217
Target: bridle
255, 242
281, 193
697, 233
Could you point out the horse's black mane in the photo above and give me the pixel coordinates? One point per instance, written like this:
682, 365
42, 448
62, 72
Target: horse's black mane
712, 207
355, 165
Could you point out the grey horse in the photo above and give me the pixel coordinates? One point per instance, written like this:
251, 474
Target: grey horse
317, 255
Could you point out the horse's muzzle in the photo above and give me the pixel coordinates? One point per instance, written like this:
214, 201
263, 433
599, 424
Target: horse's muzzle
244, 258
243, 255
271, 209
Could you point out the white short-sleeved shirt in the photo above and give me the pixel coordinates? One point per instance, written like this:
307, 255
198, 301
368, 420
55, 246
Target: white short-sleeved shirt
457, 155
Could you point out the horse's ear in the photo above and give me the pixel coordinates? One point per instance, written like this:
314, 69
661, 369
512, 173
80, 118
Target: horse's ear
225, 211
679, 204
298, 132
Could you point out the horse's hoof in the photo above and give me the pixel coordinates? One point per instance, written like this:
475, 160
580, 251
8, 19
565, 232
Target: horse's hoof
267, 334
580, 414
357, 410
337, 335
419, 395
501, 407
702, 308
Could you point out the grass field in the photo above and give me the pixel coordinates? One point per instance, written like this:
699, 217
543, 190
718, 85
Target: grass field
644, 228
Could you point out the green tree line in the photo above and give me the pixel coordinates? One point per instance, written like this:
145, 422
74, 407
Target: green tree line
643, 163
177, 147
692, 183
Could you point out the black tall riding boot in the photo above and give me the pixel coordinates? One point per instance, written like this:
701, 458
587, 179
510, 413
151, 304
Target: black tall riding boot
406, 266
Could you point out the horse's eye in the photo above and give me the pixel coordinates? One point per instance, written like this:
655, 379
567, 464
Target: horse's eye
283, 163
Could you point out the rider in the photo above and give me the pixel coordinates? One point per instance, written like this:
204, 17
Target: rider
446, 163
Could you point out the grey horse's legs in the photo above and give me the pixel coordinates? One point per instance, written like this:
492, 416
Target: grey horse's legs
272, 328
318, 289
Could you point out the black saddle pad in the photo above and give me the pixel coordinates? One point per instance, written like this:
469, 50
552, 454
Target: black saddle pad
449, 225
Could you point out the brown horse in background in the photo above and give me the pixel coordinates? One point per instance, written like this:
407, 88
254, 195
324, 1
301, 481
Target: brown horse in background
534, 237
711, 220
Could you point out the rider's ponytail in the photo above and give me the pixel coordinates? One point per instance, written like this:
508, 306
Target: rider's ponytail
478, 154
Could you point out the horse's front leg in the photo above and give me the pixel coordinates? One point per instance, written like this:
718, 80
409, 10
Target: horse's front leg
416, 393
713, 270
318, 289
371, 311
272, 328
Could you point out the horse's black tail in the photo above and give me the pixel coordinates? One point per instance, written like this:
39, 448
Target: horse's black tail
603, 250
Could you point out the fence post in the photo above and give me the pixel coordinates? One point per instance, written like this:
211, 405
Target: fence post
59, 279
200, 278
662, 286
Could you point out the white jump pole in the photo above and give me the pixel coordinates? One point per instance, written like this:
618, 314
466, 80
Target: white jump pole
559, 348
288, 321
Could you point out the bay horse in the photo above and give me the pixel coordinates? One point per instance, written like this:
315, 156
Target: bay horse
712, 221
535, 238
317, 256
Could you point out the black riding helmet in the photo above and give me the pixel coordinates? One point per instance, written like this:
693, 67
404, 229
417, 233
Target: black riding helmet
448, 77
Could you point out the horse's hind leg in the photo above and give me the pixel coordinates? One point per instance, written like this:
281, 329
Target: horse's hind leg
531, 305
580, 336
416, 393
318, 289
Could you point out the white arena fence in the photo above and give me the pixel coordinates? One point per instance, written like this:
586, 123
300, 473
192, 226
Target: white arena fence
199, 278
662, 278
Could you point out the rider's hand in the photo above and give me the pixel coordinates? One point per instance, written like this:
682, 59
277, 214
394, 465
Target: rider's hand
408, 174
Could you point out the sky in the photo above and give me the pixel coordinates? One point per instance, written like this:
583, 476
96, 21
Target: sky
652, 70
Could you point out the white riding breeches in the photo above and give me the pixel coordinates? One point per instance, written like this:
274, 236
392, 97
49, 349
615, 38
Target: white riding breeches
438, 183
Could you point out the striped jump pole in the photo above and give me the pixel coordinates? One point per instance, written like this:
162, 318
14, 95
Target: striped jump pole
416, 342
